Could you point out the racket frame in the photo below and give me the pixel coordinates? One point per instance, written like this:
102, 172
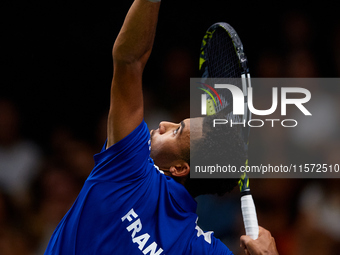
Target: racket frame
247, 203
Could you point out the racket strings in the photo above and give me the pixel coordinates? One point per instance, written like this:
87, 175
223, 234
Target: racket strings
223, 62
223, 65
223, 59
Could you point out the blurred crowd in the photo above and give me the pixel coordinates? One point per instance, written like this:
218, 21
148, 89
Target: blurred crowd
39, 181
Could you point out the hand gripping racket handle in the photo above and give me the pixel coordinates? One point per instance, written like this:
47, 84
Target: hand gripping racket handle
249, 216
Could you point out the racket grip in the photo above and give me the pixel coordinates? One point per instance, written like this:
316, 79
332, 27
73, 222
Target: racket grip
249, 216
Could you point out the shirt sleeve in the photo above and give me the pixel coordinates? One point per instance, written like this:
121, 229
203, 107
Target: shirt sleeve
126, 160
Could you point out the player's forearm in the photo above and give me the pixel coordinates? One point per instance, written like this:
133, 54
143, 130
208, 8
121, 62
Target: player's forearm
130, 52
135, 39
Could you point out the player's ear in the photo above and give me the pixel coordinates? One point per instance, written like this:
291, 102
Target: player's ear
180, 170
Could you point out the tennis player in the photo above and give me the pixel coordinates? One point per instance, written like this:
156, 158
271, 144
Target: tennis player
138, 198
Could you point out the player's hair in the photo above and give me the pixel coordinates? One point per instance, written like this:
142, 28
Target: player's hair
220, 145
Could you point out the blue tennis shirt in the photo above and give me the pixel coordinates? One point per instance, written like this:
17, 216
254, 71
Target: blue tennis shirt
128, 206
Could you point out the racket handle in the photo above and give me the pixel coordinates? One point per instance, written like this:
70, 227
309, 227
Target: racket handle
249, 216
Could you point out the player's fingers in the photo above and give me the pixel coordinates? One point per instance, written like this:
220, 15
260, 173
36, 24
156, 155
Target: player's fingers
264, 232
244, 240
246, 252
261, 230
244, 248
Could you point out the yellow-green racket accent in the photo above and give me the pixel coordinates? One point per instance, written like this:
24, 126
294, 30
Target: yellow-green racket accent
243, 183
206, 37
210, 107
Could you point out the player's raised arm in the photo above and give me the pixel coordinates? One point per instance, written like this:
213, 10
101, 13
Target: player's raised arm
130, 53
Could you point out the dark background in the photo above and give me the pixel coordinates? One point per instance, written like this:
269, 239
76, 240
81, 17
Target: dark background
56, 55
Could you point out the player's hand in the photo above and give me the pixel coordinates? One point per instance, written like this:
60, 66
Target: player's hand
264, 244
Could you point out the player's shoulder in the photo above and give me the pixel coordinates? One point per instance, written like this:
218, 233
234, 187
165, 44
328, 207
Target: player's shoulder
138, 137
126, 159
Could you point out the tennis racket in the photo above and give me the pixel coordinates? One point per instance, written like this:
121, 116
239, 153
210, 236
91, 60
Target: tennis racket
221, 57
